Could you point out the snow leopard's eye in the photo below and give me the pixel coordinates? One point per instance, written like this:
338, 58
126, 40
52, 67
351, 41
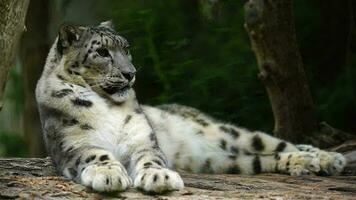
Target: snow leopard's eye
103, 52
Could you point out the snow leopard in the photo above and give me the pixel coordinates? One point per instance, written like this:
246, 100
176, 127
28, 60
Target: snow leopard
100, 136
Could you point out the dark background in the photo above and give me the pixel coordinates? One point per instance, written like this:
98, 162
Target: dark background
192, 52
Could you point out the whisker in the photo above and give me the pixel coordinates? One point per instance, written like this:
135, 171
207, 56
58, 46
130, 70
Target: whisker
94, 85
93, 78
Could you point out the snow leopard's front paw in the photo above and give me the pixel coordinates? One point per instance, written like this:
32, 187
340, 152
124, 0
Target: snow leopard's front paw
106, 177
331, 163
158, 180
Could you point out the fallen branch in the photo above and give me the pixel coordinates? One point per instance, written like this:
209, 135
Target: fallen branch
36, 178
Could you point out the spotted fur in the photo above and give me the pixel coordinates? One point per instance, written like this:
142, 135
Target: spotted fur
100, 136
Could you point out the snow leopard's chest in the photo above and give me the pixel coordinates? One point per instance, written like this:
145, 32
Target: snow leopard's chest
111, 131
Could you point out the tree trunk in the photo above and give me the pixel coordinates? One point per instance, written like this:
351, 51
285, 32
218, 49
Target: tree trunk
12, 20
271, 29
270, 26
36, 179
33, 53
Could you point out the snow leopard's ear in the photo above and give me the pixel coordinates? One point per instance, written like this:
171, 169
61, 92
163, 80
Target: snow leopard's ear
108, 24
67, 36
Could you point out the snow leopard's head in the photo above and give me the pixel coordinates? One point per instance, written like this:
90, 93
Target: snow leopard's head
100, 57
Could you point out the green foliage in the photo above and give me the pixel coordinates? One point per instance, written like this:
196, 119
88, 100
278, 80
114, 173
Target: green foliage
183, 57
192, 53
12, 145
14, 92
324, 42
11, 142
185, 54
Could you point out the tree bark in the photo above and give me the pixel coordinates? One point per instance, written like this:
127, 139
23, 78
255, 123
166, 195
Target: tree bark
12, 21
34, 51
270, 26
271, 30
36, 179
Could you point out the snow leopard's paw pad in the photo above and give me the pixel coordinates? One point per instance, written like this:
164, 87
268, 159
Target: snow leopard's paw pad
158, 180
331, 163
106, 177
299, 163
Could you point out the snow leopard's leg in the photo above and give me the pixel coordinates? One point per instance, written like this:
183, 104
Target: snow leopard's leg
293, 163
149, 167
216, 143
257, 142
75, 158
65, 114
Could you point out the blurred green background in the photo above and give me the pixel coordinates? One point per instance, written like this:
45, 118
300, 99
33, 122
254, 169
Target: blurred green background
193, 52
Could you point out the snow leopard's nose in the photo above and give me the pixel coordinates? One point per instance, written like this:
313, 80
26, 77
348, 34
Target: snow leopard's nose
129, 75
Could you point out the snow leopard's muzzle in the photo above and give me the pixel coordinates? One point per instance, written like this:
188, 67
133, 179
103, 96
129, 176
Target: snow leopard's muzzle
117, 86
